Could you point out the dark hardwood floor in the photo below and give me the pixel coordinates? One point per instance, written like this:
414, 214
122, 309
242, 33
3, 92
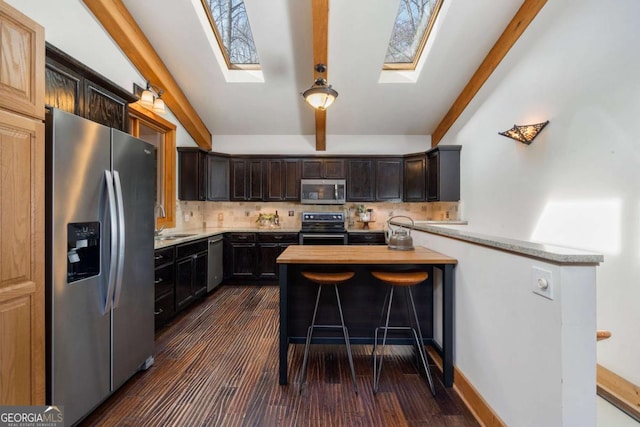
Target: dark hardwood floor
217, 365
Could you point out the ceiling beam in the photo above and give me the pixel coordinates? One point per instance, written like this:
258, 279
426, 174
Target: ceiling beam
320, 13
511, 34
123, 29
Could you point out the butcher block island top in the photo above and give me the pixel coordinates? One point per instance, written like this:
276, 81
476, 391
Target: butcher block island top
347, 254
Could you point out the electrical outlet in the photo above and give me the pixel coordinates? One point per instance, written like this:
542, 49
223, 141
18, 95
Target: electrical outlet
542, 282
291, 213
220, 216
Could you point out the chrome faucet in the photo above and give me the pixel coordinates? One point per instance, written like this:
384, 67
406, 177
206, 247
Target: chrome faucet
162, 214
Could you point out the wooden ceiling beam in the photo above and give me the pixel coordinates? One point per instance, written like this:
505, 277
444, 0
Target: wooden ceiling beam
123, 29
320, 13
509, 37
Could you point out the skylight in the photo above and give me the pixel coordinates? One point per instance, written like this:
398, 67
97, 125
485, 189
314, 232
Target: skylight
230, 23
411, 30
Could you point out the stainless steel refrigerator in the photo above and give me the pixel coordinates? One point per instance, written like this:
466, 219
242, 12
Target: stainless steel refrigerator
100, 188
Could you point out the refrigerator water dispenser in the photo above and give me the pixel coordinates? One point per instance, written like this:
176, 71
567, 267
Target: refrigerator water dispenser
83, 250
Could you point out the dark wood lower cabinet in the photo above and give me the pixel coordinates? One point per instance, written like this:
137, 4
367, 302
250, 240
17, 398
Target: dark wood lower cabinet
191, 272
252, 256
164, 284
270, 246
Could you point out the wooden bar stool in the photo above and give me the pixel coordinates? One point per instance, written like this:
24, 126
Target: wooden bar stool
323, 279
405, 279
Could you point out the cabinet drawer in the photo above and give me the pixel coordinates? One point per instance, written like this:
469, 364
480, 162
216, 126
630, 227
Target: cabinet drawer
366, 238
242, 237
163, 256
164, 280
191, 248
278, 237
164, 309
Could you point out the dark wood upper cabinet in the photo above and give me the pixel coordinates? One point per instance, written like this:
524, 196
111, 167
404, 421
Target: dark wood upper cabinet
415, 178
246, 179
217, 178
192, 174
73, 87
282, 179
322, 168
389, 179
360, 180
443, 173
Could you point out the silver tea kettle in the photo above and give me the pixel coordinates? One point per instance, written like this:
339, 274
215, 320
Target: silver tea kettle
399, 239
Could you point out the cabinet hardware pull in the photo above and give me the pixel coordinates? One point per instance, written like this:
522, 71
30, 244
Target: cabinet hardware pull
157, 257
158, 281
158, 312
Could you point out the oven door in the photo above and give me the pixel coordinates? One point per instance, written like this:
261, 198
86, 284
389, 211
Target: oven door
323, 238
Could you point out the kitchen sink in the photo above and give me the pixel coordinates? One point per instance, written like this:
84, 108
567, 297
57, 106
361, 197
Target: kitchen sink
173, 236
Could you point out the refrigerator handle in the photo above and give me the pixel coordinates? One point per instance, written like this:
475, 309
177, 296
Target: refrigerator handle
114, 240
121, 236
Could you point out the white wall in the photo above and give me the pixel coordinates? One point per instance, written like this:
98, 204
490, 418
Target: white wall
71, 27
306, 144
578, 183
531, 358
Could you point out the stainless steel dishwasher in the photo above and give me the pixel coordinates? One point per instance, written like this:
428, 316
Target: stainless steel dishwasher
214, 275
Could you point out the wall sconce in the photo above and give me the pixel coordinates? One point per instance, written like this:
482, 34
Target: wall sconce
320, 95
525, 133
150, 98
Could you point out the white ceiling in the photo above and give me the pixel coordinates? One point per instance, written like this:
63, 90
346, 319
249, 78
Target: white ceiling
358, 36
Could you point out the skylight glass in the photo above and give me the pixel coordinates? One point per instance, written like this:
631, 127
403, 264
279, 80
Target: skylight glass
230, 24
413, 24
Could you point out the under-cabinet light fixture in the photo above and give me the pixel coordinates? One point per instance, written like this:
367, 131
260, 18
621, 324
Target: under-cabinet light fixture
150, 98
320, 95
526, 133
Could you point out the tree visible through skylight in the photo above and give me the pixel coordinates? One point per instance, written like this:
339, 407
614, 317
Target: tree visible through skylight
233, 30
413, 23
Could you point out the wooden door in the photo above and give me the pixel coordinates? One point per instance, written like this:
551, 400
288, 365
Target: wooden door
22, 357
21, 260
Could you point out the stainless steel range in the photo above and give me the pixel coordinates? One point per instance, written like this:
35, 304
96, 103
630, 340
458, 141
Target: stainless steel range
323, 228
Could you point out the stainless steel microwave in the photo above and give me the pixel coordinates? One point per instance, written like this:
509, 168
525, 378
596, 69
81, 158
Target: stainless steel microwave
323, 191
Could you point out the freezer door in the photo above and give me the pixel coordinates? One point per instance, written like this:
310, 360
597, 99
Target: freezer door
78, 338
133, 318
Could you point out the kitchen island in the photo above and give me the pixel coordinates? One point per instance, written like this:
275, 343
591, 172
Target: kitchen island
362, 297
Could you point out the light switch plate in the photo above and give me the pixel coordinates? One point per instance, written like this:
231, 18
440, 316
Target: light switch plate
542, 282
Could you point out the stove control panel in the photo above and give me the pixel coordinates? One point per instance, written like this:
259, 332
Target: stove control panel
323, 217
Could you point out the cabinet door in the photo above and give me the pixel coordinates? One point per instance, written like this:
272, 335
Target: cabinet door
243, 260
22, 76
291, 180
267, 266
389, 180
255, 172
274, 180
22, 365
312, 168
192, 166
323, 168
200, 266
282, 180
217, 178
184, 279
333, 169
433, 176
238, 180
415, 179
360, 181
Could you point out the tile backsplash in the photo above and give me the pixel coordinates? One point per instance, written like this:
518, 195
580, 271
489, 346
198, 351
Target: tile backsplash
244, 214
